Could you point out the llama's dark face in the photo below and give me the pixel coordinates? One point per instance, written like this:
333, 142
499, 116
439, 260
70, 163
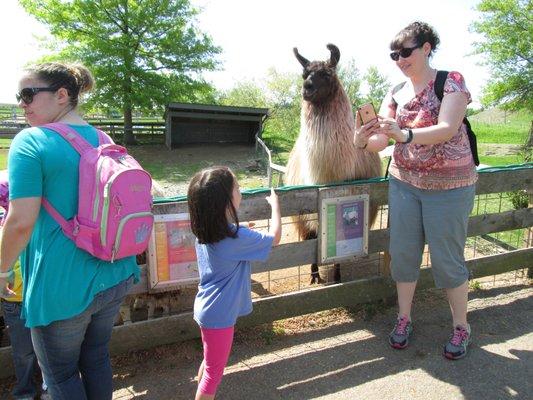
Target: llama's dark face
320, 82
320, 77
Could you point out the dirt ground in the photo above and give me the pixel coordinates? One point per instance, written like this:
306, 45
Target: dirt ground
173, 169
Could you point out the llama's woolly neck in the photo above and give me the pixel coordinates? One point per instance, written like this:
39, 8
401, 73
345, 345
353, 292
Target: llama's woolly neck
334, 118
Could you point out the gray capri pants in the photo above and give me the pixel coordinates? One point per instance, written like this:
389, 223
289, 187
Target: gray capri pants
436, 217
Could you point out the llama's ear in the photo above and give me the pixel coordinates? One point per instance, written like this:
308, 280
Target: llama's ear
304, 61
335, 55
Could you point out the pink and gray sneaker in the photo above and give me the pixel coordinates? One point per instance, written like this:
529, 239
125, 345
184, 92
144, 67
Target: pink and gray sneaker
458, 343
399, 337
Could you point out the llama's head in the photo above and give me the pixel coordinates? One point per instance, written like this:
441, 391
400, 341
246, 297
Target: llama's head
320, 77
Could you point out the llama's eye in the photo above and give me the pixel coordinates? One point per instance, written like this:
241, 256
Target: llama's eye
305, 75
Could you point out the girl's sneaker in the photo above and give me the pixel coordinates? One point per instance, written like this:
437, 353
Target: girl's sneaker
399, 337
458, 343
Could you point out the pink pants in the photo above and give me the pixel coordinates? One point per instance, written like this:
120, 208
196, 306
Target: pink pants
217, 346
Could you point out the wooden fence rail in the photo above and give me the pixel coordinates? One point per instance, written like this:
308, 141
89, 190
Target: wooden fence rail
144, 132
146, 334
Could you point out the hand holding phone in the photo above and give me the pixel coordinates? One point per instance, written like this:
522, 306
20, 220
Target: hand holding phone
367, 113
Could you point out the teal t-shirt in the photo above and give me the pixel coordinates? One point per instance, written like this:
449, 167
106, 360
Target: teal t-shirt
60, 280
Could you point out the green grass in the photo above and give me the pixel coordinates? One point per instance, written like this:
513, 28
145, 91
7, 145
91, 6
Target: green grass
497, 161
3, 158
495, 126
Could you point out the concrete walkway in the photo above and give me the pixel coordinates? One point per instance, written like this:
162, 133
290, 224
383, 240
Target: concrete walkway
353, 361
350, 358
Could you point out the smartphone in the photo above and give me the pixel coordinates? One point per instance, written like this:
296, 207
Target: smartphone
367, 113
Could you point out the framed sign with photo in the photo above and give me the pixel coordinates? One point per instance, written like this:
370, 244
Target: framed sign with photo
171, 253
343, 227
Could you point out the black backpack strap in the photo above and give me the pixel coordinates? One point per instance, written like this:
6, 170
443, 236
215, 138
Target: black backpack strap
440, 80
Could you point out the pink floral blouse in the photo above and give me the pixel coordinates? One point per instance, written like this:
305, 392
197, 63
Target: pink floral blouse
438, 166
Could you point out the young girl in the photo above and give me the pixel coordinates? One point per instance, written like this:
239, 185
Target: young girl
224, 251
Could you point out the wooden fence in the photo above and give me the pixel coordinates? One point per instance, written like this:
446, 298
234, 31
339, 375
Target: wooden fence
144, 132
174, 328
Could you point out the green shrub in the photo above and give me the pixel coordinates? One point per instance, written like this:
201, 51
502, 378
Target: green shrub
519, 199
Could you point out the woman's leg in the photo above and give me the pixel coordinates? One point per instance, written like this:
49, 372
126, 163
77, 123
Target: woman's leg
57, 347
406, 291
94, 362
217, 347
458, 299
446, 239
406, 241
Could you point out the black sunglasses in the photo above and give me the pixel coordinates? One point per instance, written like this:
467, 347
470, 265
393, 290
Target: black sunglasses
26, 94
404, 53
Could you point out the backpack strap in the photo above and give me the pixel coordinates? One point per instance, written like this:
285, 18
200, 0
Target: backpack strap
66, 226
81, 146
103, 138
438, 86
71, 136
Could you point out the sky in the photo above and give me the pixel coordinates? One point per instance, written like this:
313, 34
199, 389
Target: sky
257, 35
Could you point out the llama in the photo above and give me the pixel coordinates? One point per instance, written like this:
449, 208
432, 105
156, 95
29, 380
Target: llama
324, 151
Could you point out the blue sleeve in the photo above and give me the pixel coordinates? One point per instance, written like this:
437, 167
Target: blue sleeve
24, 165
252, 245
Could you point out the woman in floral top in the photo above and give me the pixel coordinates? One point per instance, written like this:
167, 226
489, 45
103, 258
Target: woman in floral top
432, 183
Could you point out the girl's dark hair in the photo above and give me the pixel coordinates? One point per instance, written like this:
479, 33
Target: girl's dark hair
76, 78
420, 33
209, 199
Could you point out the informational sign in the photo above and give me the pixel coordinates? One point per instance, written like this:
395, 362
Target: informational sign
171, 253
343, 227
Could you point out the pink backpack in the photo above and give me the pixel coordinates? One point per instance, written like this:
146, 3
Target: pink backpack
114, 218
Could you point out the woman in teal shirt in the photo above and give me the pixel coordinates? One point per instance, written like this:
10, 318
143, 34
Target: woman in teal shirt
70, 297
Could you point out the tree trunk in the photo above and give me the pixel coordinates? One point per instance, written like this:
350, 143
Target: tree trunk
528, 146
129, 137
529, 143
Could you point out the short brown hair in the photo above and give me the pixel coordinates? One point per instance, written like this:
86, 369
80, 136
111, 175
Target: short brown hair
209, 199
420, 33
76, 78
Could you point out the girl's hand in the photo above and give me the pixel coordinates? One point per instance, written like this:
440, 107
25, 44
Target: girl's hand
275, 226
273, 199
363, 132
390, 127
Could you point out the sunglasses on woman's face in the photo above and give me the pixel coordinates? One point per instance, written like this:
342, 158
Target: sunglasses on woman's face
404, 53
27, 94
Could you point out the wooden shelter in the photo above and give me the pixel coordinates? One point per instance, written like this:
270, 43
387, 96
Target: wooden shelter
211, 124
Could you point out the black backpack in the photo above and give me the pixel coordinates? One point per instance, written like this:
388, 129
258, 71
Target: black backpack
439, 92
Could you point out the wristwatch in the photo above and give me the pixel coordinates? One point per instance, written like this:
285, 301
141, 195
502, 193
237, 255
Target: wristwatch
409, 136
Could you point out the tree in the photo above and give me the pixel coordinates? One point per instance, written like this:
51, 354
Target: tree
378, 85
351, 81
243, 94
507, 46
284, 99
143, 53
